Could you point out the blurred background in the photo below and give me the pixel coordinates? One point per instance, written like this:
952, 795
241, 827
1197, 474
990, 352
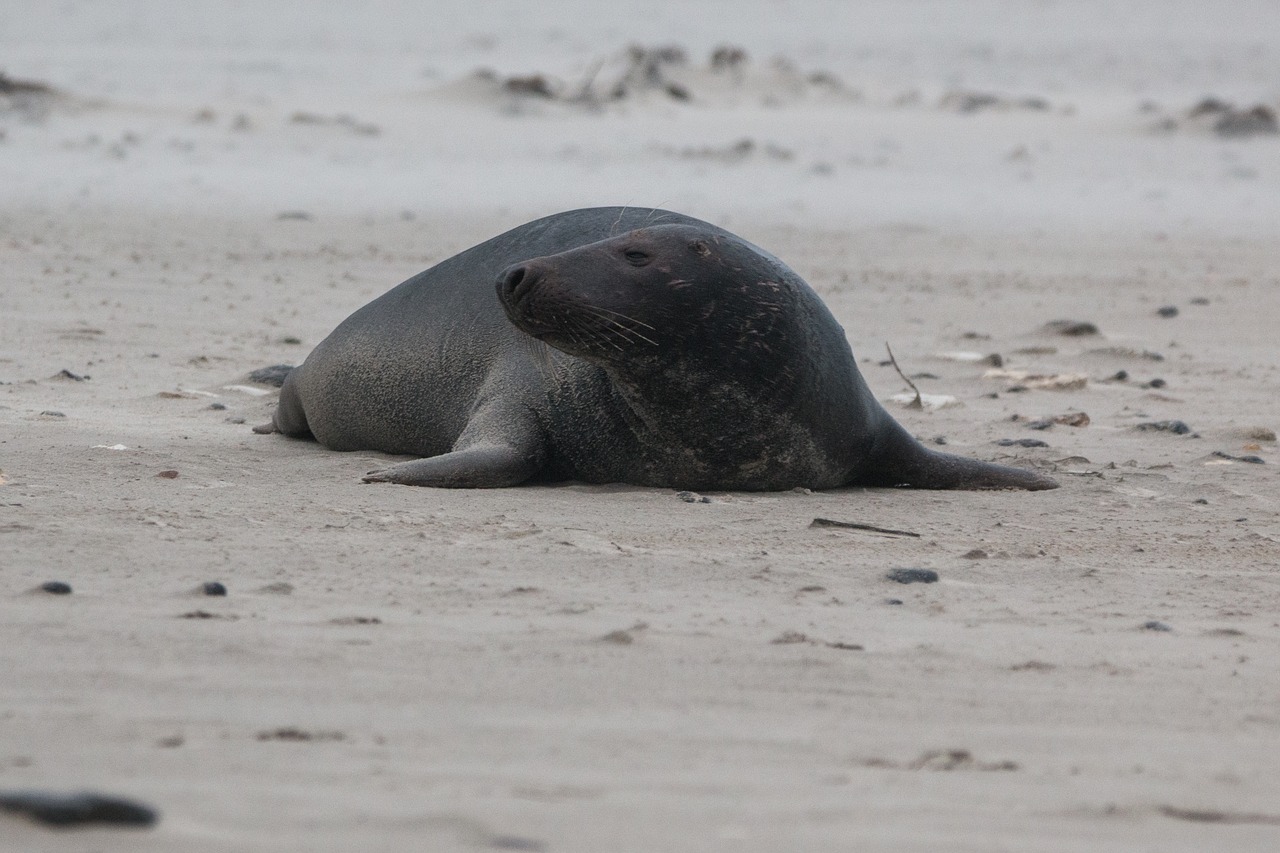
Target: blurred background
983, 114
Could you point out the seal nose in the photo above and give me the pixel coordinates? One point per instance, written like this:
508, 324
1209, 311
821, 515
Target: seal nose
515, 282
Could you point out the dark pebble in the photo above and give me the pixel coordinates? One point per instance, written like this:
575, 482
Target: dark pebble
1074, 328
76, 809
893, 601
1253, 460
1175, 427
218, 407
49, 413
515, 842
1200, 300
939, 439
913, 576
1120, 376
1201, 501
1042, 423
1022, 442
1155, 383
235, 420
56, 587
67, 374
213, 588
1168, 311
273, 375
1153, 625
693, 498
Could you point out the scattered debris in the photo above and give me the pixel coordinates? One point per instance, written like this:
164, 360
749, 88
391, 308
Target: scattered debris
926, 402
1253, 460
969, 357
1213, 115
1215, 816
957, 759
66, 810
1022, 442
1040, 381
273, 375
1071, 328
296, 735
912, 576
972, 102
343, 120
1175, 427
853, 525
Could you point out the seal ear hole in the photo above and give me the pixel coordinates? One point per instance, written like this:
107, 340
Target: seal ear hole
636, 257
700, 248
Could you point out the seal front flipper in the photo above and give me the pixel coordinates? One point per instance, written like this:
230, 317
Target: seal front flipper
500, 446
489, 466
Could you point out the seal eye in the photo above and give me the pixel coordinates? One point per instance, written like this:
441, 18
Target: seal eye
636, 257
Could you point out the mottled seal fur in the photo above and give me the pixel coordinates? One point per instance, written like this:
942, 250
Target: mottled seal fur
611, 345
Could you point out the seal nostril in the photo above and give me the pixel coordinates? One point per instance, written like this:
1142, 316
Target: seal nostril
517, 281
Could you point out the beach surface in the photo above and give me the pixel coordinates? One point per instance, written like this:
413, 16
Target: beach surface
194, 191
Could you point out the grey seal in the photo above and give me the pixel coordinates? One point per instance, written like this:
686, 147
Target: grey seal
611, 345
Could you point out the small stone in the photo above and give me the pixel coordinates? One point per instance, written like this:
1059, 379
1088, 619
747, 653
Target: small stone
1167, 311
693, 498
893, 601
56, 588
168, 475
49, 413
1119, 376
213, 588
1071, 328
1175, 427
913, 576
1153, 625
1155, 383
1022, 442
975, 554
273, 375
218, 407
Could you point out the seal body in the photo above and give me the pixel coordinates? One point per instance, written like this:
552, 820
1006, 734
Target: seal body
611, 345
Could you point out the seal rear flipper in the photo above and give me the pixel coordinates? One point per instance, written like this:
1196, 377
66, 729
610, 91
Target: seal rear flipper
900, 460
489, 466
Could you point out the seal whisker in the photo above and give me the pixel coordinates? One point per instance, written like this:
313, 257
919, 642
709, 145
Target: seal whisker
619, 328
623, 316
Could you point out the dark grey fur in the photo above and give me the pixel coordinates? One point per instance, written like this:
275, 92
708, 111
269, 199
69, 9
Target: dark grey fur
622, 345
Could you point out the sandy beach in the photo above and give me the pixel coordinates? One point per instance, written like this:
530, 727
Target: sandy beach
191, 192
